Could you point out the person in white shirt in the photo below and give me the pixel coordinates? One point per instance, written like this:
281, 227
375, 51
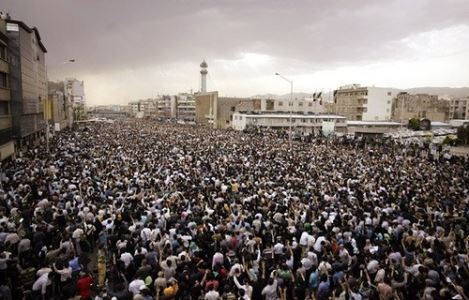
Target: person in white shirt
65, 272
246, 287
135, 285
40, 285
127, 258
212, 294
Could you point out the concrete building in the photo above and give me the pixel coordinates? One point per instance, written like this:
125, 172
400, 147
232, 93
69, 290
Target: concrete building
183, 107
59, 106
28, 82
300, 122
363, 103
422, 106
144, 108
7, 145
163, 107
306, 105
217, 112
373, 128
75, 94
459, 108
76, 89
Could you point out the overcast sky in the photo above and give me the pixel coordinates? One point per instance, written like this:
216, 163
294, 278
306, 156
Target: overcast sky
132, 49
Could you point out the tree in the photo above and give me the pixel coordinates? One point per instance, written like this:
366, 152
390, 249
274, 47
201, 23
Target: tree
414, 124
463, 134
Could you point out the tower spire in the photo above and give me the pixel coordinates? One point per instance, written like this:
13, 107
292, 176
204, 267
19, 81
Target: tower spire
203, 76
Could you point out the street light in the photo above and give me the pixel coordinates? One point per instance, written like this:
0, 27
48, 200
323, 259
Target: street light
291, 108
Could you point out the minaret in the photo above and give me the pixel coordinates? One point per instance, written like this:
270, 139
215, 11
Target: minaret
203, 76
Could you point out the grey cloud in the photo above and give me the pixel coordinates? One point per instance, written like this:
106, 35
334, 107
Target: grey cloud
106, 36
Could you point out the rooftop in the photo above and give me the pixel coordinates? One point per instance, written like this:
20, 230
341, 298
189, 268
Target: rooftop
294, 116
375, 123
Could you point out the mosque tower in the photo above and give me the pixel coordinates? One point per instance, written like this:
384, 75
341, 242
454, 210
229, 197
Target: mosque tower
203, 76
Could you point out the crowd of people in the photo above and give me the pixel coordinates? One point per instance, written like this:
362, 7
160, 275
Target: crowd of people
142, 210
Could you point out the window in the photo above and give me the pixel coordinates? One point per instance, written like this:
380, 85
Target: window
389, 93
280, 103
300, 103
290, 103
233, 108
389, 101
3, 52
4, 111
310, 104
3, 80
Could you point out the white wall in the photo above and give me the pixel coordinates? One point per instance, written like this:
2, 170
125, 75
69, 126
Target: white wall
299, 105
238, 122
379, 104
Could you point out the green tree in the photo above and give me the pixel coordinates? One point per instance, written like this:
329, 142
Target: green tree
414, 124
463, 134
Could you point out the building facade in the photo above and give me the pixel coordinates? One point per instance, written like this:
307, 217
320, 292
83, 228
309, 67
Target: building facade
421, 106
306, 105
183, 107
459, 109
363, 103
7, 145
299, 122
28, 82
217, 112
57, 109
75, 95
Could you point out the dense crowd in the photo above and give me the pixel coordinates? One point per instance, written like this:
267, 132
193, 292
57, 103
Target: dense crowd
140, 210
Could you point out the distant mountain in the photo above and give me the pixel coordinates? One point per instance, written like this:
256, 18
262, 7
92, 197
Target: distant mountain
442, 92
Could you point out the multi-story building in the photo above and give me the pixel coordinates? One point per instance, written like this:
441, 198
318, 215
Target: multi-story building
459, 109
306, 105
183, 107
7, 145
422, 106
163, 107
217, 112
363, 103
57, 106
180, 106
76, 89
28, 81
75, 94
306, 123
143, 108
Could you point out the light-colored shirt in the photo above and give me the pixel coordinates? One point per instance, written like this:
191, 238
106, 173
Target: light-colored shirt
41, 283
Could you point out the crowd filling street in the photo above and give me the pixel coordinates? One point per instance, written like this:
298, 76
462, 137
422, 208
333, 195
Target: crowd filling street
144, 210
